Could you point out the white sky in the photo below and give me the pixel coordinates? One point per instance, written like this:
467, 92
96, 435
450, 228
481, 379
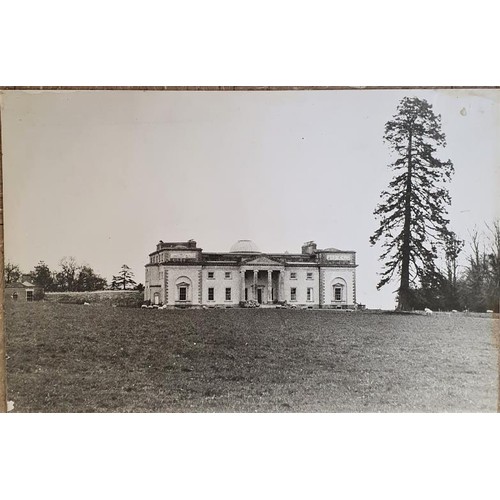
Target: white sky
102, 176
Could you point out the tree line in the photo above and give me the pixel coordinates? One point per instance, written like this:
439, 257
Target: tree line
469, 283
71, 277
420, 251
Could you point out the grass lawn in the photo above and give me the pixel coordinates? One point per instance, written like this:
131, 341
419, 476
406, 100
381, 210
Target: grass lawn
74, 358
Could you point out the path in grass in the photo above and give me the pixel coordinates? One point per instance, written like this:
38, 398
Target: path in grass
66, 357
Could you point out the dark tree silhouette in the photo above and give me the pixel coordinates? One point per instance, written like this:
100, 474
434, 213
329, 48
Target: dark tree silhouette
12, 273
124, 279
413, 209
452, 247
72, 277
67, 278
89, 281
481, 283
42, 276
494, 265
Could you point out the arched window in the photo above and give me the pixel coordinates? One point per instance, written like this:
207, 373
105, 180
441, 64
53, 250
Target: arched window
184, 289
339, 291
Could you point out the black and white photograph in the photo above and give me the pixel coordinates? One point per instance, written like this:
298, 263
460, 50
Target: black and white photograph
251, 250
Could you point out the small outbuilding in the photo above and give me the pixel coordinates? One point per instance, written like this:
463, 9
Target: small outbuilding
23, 292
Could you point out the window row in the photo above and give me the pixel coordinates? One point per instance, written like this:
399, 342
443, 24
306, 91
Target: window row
338, 294
211, 294
183, 294
309, 275
158, 258
309, 294
228, 275
211, 275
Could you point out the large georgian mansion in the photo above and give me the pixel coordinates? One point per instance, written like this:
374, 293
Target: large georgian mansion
179, 274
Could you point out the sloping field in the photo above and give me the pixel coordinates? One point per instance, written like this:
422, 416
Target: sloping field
74, 358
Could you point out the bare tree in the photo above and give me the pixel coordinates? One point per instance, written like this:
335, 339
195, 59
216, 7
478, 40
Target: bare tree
67, 277
494, 265
453, 246
481, 282
12, 273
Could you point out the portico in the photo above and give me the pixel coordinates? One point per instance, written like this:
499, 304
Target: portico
261, 284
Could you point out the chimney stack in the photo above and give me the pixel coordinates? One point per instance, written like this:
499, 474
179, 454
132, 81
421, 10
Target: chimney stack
309, 248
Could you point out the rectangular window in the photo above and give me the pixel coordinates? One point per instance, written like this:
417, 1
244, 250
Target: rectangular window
228, 294
227, 275
246, 293
293, 294
309, 276
338, 293
211, 294
293, 276
310, 294
210, 275
29, 295
182, 293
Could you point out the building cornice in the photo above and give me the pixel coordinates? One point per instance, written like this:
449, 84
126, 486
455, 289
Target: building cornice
250, 265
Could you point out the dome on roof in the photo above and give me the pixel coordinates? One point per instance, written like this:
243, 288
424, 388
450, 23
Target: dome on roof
244, 246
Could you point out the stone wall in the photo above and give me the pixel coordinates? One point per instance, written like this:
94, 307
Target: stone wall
121, 298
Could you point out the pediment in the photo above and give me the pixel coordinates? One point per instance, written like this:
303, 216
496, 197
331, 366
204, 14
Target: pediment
263, 261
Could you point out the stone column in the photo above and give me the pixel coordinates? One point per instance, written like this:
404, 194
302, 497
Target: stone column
281, 286
320, 289
242, 285
269, 287
254, 286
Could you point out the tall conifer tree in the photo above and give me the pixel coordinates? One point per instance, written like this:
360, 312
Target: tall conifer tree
124, 279
412, 213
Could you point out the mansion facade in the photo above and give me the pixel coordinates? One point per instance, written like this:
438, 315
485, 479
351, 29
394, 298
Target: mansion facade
180, 274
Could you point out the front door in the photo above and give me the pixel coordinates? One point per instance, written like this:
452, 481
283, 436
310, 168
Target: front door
259, 295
